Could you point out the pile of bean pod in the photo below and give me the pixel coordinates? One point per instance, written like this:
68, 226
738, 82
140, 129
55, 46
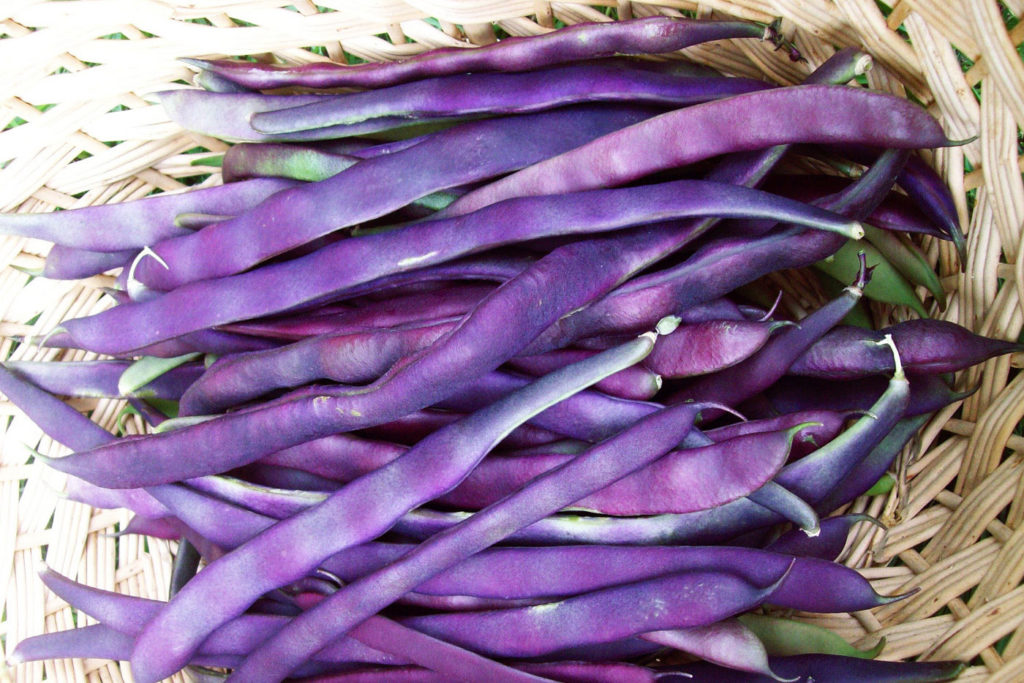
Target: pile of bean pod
463, 374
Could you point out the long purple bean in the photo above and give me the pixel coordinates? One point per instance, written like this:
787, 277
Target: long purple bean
710, 346
739, 382
71, 263
637, 382
674, 483
812, 113
315, 209
100, 378
498, 93
926, 346
674, 601
510, 573
827, 668
928, 393
585, 41
138, 223
355, 261
435, 465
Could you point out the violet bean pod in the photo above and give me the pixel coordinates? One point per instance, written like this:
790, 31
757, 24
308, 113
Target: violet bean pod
497, 93
140, 222
435, 465
355, 261
313, 210
585, 41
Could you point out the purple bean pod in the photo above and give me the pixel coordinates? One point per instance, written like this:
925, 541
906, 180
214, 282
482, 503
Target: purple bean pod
813, 113
138, 223
478, 93
709, 346
825, 668
636, 383
584, 41
926, 346
71, 263
315, 209
435, 465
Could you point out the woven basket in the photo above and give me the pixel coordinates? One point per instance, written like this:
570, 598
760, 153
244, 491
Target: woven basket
78, 130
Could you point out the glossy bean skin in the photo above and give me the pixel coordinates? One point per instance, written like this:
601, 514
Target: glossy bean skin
430, 468
586, 41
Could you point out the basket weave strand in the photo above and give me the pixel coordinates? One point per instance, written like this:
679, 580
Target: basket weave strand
78, 127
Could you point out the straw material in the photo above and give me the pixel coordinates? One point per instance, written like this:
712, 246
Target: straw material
77, 130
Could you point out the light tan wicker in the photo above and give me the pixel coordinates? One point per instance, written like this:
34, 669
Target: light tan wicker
77, 130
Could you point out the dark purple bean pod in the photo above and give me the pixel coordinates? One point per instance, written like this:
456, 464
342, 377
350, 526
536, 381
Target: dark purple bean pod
100, 378
928, 393
812, 113
584, 41
489, 267
681, 481
417, 309
71, 263
748, 378
377, 500
787, 505
827, 545
926, 346
711, 272
270, 502
477, 93
137, 223
715, 310
167, 528
279, 477
412, 427
587, 415
742, 260
825, 668
869, 470
595, 469
726, 643
64, 424
356, 261
570, 672
138, 501
710, 346
813, 476
528, 572
929, 192
818, 427
316, 209
636, 383
240, 636
129, 615
95, 641
223, 524
351, 358
606, 615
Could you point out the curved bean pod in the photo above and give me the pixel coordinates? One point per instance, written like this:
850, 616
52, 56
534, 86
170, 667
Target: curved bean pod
315, 209
140, 222
823, 113
497, 93
584, 41
447, 455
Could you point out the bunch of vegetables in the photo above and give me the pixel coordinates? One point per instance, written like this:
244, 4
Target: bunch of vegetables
458, 376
